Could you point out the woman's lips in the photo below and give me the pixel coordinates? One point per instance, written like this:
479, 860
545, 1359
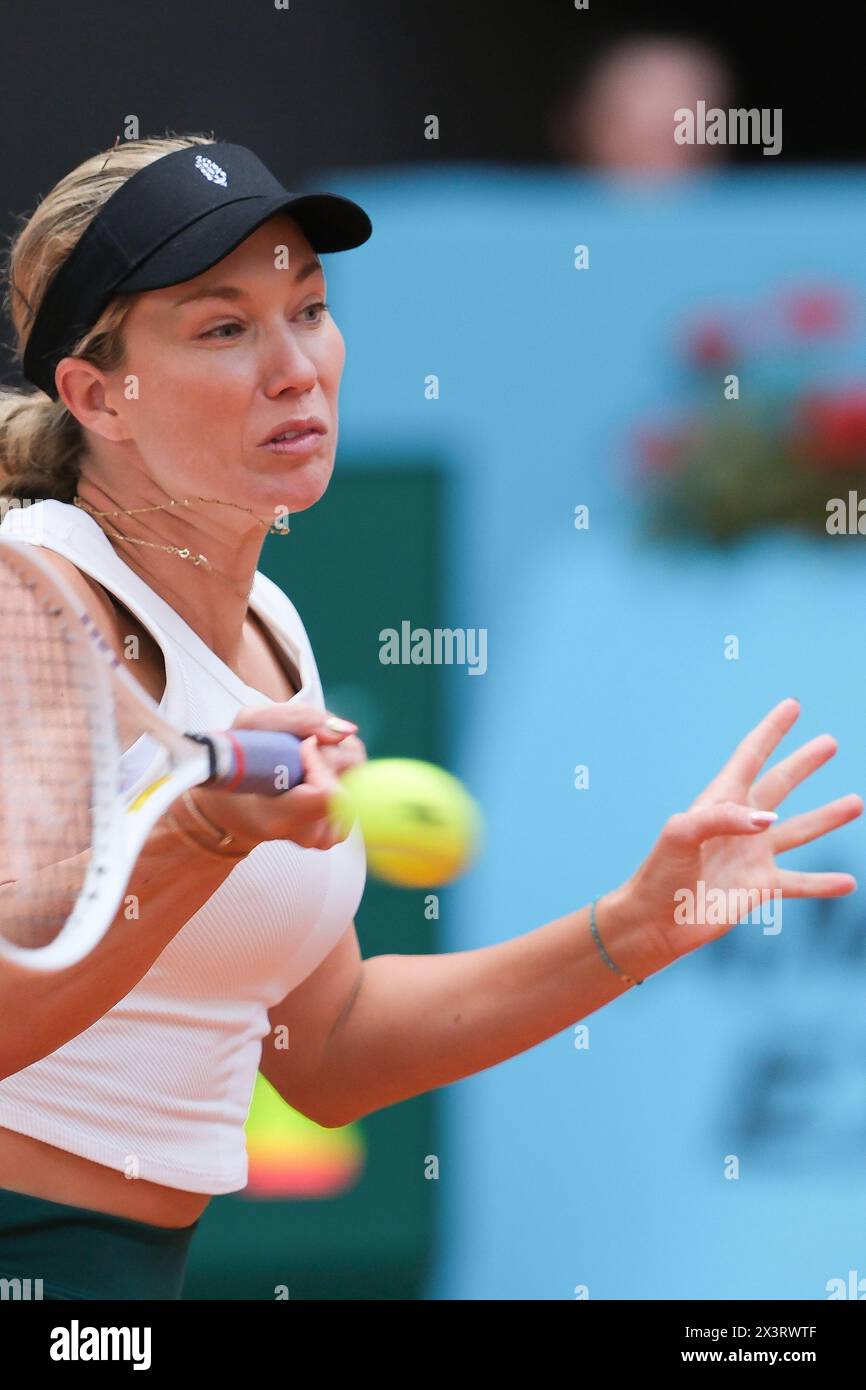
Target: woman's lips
305, 443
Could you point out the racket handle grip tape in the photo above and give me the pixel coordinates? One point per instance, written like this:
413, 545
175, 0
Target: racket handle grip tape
253, 760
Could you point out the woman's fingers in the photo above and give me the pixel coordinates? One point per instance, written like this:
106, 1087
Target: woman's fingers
752, 752
684, 833
349, 752
771, 789
811, 825
802, 885
320, 783
322, 766
312, 796
299, 719
335, 730
318, 773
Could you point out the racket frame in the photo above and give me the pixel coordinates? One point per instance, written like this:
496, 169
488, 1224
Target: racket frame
119, 828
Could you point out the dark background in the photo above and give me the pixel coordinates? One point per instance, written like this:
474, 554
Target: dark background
336, 84
341, 84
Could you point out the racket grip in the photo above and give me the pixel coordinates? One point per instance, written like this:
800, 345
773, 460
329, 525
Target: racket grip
254, 760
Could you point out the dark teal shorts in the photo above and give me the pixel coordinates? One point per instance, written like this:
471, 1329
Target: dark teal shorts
51, 1250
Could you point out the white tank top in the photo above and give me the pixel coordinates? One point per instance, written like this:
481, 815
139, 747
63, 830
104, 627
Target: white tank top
161, 1085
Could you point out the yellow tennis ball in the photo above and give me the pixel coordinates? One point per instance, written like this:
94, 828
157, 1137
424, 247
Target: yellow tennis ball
420, 826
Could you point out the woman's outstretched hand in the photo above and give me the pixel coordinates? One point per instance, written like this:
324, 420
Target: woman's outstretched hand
714, 862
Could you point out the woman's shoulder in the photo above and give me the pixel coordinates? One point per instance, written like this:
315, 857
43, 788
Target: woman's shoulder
87, 591
99, 605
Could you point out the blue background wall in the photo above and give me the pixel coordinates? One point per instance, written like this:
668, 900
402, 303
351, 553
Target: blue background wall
605, 1166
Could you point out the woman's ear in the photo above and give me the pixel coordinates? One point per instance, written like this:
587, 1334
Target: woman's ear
85, 391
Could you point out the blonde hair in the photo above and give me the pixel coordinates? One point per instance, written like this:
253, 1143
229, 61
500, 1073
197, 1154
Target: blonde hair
41, 442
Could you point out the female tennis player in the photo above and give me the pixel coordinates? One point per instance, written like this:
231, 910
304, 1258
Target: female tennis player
170, 309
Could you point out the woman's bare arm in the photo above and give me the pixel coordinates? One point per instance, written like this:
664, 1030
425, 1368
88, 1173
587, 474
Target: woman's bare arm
419, 1022
413, 1023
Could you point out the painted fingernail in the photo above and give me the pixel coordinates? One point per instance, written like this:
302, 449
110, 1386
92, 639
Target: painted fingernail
340, 726
763, 817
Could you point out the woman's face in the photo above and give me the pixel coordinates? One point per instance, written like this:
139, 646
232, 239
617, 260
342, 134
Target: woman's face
217, 372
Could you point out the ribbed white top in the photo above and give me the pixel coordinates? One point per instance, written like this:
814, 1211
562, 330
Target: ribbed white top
162, 1083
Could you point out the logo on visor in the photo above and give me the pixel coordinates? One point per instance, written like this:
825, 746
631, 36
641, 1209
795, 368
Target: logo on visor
210, 170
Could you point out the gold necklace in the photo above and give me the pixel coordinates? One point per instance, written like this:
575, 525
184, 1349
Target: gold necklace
183, 551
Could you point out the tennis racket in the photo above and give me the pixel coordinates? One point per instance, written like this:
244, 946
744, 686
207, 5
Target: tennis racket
70, 834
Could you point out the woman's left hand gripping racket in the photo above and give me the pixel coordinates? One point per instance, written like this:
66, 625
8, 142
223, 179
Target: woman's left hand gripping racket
69, 837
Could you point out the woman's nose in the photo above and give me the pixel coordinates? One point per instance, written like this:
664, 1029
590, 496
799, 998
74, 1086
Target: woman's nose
286, 363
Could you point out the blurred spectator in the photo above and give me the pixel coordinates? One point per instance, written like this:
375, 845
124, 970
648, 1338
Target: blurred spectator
620, 115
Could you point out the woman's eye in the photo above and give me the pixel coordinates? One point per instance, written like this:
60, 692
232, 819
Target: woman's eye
218, 329
319, 308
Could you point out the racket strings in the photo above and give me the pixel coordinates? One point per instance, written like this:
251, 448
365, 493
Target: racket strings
48, 792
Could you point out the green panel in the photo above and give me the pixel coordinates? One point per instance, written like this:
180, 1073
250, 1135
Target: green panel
365, 557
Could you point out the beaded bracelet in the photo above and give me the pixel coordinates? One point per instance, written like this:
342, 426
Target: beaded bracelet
605, 957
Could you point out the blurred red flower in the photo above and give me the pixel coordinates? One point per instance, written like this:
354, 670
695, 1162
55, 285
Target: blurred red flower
815, 313
709, 344
831, 426
659, 453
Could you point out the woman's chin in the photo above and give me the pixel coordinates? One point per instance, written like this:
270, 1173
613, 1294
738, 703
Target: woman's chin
296, 486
